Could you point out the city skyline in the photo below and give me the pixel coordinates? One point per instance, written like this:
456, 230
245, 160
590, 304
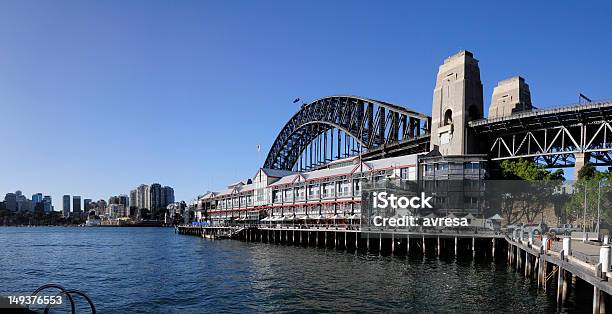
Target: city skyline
157, 95
154, 196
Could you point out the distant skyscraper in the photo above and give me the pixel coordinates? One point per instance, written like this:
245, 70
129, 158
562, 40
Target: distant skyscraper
155, 196
48, 203
66, 206
133, 197
23, 203
120, 199
168, 196
37, 198
124, 200
76, 204
101, 207
10, 201
87, 204
146, 202
152, 197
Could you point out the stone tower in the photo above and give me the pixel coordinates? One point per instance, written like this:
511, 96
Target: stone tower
510, 96
457, 99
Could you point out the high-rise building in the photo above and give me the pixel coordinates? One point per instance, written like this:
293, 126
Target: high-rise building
142, 194
147, 197
167, 196
37, 198
10, 201
76, 204
155, 196
66, 206
87, 206
101, 207
133, 197
23, 203
152, 197
47, 203
138, 196
120, 199
117, 211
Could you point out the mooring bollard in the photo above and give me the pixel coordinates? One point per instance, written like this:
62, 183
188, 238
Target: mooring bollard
567, 245
606, 239
604, 259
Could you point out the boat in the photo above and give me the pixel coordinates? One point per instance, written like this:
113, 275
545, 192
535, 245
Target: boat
93, 222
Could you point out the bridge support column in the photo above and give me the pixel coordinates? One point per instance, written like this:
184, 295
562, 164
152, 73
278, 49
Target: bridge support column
581, 160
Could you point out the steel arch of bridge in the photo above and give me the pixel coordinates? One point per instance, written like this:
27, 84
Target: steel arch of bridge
372, 124
552, 137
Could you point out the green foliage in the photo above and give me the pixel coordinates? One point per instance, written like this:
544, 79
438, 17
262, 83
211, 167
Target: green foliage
587, 172
523, 169
526, 191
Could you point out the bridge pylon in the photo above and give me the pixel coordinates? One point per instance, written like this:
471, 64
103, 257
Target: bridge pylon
457, 99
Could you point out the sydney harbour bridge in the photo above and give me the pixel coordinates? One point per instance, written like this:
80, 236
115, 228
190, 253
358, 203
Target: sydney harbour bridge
338, 127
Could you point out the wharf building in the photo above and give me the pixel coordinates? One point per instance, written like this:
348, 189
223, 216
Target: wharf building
333, 194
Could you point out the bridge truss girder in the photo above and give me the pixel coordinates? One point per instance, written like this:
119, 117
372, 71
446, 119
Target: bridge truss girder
556, 147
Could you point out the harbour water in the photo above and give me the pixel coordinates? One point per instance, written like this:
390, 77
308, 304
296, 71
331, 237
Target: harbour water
154, 270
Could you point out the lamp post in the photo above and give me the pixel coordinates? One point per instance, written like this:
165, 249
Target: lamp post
598, 204
584, 208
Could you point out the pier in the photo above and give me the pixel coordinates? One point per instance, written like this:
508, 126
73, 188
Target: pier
569, 263
351, 238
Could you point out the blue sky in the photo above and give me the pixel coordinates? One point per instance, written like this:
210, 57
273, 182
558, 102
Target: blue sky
98, 97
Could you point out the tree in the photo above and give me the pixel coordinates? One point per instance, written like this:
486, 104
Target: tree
526, 191
528, 170
592, 190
